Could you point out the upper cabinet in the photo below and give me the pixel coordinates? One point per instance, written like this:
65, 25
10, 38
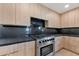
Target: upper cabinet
35, 10
70, 19
23, 14
25, 11
20, 13
7, 13
53, 19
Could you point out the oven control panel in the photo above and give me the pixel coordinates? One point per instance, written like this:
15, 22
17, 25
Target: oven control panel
47, 40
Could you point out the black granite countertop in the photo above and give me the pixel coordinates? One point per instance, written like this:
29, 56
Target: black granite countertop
71, 35
9, 41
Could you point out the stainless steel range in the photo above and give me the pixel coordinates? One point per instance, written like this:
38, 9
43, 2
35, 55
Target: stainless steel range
45, 45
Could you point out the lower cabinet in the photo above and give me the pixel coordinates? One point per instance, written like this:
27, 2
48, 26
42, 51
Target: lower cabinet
72, 43
21, 49
6, 50
30, 48
59, 41
66, 42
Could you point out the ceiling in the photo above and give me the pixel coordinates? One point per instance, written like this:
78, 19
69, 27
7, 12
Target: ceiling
60, 7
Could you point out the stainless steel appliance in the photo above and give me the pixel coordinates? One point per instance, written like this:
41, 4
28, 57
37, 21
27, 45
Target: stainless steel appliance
43, 37
45, 45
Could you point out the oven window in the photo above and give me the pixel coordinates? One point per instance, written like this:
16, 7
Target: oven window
46, 50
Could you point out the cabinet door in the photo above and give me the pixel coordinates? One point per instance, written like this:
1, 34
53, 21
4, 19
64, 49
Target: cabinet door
53, 19
72, 43
7, 13
70, 19
64, 20
4, 51
66, 41
21, 49
30, 48
23, 14
13, 50
7, 50
59, 43
35, 10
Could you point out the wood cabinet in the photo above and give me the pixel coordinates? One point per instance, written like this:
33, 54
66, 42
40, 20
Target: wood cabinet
6, 50
7, 13
23, 14
59, 43
70, 19
21, 49
66, 41
35, 10
19, 14
72, 43
53, 20
25, 11
30, 48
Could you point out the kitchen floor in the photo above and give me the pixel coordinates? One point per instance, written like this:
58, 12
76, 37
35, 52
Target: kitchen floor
64, 52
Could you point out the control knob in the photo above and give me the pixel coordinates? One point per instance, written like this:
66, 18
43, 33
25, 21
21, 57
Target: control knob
39, 41
43, 41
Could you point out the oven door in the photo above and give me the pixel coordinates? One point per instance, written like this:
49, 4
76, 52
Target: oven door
47, 50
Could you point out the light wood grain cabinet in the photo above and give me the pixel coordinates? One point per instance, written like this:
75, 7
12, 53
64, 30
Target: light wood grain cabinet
12, 50
7, 50
25, 11
72, 43
70, 19
59, 43
66, 42
23, 14
7, 13
25, 49
30, 48
19, 14
21, 49
53, 20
